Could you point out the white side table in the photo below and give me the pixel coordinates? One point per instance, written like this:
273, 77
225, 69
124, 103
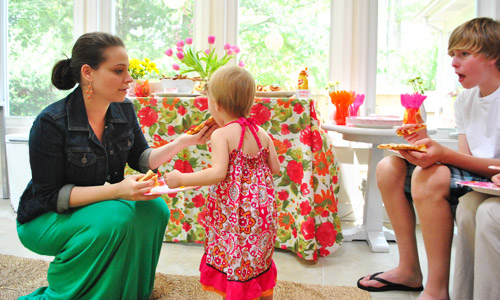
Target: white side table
372, 229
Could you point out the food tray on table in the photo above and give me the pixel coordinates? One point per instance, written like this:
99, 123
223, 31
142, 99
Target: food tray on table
165, 94
483, 187
277, 94
375, 121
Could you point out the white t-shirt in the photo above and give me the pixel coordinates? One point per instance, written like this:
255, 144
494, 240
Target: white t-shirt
479, 119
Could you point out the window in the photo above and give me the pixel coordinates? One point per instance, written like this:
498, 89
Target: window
34, 45
148, 28
412, 41
279, 38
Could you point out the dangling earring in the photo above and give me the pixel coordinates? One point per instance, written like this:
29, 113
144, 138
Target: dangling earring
89, 91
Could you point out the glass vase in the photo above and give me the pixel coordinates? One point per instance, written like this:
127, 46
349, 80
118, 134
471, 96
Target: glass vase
412, 116
141, 88
341, 113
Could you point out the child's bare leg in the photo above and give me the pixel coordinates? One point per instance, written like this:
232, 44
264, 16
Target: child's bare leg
391, 172
430, 191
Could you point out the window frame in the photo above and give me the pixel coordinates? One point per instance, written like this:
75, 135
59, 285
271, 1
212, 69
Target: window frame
352, 22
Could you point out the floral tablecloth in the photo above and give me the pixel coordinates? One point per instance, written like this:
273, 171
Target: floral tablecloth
306, 188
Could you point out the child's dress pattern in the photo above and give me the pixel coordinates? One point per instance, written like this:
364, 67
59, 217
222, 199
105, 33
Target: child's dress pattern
241, 226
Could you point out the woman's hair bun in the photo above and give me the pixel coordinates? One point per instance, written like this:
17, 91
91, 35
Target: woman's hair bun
62, 77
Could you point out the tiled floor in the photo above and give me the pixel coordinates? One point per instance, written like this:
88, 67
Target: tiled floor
342, 268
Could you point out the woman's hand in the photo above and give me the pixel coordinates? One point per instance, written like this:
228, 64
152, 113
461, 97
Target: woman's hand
200, 138
496, 179
173, 179
133, 190
434, 153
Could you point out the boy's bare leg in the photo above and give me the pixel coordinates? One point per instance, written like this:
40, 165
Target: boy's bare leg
430, 191
391, 172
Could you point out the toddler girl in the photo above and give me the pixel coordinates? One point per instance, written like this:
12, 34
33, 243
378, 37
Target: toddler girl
241, 210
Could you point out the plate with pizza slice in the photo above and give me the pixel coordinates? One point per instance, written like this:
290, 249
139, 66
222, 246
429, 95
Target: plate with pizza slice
393, 146
162, 188
486, 187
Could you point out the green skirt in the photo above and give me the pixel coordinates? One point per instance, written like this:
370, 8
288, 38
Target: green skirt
107, 250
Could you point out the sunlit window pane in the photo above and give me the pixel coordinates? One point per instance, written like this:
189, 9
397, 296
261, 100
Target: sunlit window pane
148, 28
279, 38
412, 41
35, 44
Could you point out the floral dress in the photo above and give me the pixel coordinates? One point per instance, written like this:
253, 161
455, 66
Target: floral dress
241, 225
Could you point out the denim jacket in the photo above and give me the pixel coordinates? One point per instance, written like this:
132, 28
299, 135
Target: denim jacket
65, 152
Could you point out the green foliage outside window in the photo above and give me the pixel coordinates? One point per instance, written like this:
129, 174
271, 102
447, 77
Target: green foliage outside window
148, 28
40, 33
305, 28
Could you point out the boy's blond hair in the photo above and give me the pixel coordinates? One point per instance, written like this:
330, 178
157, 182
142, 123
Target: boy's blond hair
233, 89
480, 36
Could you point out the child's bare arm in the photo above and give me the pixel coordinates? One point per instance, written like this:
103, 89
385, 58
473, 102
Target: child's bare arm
272, 158
212, 175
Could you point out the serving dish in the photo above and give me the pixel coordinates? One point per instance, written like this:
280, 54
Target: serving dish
276, 94
164, 94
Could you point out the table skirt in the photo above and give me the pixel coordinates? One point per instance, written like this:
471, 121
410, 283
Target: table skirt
307, 186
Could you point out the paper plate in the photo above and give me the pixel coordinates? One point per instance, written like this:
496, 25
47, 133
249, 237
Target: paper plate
482, 187
164, 189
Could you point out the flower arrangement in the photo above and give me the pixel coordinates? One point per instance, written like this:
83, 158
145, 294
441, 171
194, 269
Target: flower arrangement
412, 102
205, 63
346, 103
342, 100
139, 69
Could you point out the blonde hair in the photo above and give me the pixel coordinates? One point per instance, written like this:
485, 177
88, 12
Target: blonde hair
233, 89
479, 35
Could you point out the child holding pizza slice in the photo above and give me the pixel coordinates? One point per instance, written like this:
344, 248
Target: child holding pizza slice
428, 179
241, 211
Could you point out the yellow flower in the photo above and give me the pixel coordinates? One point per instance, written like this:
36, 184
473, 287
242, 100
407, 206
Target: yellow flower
139, 69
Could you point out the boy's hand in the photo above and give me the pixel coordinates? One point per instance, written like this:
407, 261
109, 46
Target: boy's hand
424, 159
496, 179
412, 138
173, 179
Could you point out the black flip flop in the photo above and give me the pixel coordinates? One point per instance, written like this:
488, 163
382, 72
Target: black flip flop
389, 286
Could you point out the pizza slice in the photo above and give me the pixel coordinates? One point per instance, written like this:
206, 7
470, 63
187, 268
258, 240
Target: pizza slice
419, 148
407, 130
150, 175
208, 122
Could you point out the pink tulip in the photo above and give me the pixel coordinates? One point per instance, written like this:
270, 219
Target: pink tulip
229, 51
179, 49
241, 64
211, 39
180, 44
169, 52
207, 51
189, 40
227, 46
180, 55
176, 67
236, 49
